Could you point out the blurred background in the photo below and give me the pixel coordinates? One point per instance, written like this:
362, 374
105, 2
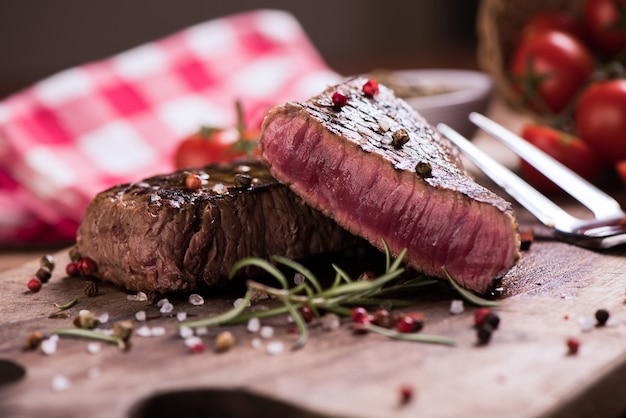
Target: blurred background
39, 38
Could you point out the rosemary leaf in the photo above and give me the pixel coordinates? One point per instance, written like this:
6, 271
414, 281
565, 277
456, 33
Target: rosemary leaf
221, 318
303, 329
90, 334
467, 295
67, 305
363, 285
387, 256
396, 263
300, 269
413, 336
259, 262
342, 274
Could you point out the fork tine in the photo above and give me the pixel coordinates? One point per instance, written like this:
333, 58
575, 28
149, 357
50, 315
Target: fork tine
602, 205
536, 203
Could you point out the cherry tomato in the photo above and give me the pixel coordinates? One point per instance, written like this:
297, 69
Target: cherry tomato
549, 69
569, 150
553, 20
212, 145
605, 23
601, 118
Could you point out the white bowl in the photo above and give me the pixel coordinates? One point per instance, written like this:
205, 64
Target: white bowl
462, 92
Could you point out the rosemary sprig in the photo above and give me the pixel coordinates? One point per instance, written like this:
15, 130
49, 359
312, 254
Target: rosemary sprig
411, 336
344, 293
466, 294
90, 334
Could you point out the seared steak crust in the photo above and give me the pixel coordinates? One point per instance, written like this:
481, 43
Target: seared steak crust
382, 172
159, 237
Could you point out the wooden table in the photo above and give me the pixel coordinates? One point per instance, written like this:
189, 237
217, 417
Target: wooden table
525, 371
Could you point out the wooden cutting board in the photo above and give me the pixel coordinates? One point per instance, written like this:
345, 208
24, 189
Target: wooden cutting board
524, 371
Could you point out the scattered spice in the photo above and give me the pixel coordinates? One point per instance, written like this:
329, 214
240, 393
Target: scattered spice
47, 262
86, 320
370, 88
123, 329
242, 180
72, 269
224, 341
406, 394
399, 137
339, 99
602, 316
34, 285
74, 255
383, 318
91, 288
423, 169
43, 274
33, 340
193, 182
86, 266
573, 345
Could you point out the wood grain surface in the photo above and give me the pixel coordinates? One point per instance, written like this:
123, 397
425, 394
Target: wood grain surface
525, 370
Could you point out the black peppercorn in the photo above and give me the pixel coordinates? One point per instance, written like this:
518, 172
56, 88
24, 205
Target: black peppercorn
43, 274
484, 332
492, 319
602, 315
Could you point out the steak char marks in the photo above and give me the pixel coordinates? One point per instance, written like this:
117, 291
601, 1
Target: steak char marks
158, 237
382, 172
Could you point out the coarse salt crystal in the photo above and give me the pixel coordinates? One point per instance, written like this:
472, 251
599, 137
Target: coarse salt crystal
219, 188
83, 312
383, 125
49, 346
142, 297
456, 307
587, 323
256, 343
162, 302
60, 383
94, 348
330, 322
181, 316
254, 325
104, 318
298, 278
192, 341
185, 332
266, 332
166, 308
239, 301
157, 331
140, 316
275, 348
202, 331
144, 331
196, 299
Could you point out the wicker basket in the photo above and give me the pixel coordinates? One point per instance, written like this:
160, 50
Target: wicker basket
498, 23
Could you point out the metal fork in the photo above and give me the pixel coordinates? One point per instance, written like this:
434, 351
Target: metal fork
606, 229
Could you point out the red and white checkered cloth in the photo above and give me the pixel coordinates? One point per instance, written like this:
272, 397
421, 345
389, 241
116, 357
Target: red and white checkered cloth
120, 119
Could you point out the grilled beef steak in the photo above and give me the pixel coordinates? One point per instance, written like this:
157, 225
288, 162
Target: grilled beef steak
382, 172
158, 236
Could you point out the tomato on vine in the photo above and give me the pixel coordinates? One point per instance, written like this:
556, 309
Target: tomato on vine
569, 150
601, 118
549, 69
210, 145
605, 24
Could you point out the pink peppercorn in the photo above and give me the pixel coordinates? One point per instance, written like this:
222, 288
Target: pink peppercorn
370, 88
72, 270
360, 315
573, 344
339, 99
86, 266
480, 314
34, 285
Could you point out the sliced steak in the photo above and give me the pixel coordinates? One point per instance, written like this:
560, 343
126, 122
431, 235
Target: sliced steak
157, 236
382, 172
